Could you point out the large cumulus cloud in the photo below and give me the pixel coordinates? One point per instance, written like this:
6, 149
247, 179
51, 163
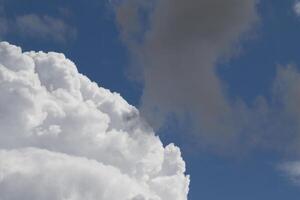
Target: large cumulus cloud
63, 137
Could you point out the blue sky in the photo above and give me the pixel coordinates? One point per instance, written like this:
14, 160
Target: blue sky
99, 53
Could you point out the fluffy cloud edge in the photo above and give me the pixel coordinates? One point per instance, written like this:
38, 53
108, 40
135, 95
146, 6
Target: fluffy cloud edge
65, 129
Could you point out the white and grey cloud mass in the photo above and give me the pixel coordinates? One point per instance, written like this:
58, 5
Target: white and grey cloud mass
176, 51
63, 137
176, 55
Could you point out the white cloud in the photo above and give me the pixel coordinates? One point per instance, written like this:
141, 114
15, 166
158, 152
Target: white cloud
292, 169
297, 8
63, 137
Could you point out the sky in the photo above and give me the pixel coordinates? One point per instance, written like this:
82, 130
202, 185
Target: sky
219, 79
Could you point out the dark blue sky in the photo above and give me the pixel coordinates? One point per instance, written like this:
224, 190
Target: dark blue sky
99, 53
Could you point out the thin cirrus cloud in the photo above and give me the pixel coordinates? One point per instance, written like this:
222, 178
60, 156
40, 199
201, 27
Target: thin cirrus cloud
64, 137
36, 26
45, 27
292, 171
297, 8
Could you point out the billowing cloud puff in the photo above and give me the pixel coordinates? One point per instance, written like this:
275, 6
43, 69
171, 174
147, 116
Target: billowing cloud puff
64, 138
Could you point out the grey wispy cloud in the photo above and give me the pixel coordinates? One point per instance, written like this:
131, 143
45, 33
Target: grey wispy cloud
177, 52
45, 27
292, 171
36, 26
296, 8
